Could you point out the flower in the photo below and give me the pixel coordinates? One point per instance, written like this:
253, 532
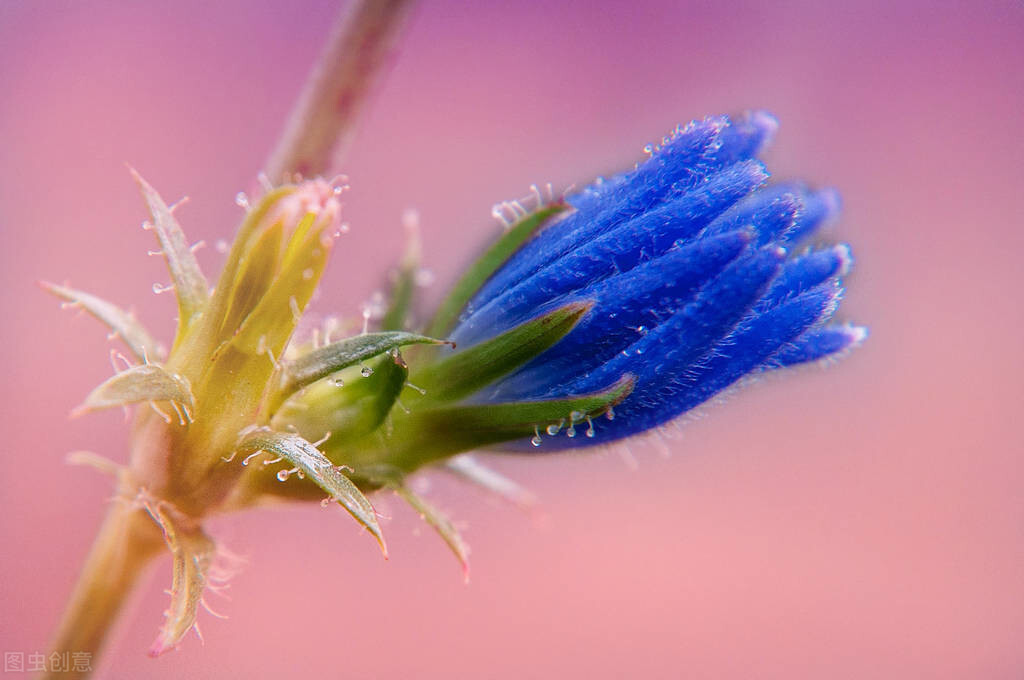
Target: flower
688, 269
640, 297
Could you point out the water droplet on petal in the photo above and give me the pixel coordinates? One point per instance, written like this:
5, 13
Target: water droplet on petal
366, 371
570, 431
242, 200
283, 475
338, 382
536, 440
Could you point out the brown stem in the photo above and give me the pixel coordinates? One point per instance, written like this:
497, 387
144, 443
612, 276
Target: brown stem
127, 541
323, 119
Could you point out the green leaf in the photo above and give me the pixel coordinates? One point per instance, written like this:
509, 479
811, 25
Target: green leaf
147, 382
125, 325
467, 371
310, 462
193, 553
190, 285
323, 361
484, 268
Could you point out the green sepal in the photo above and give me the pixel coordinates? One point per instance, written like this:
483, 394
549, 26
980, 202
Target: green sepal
469, 469
402, 291
439, 522
346, 404
465, 372
190, 285
147, 382
487, 264
323, 361
429, 434
193, 552
384, 476
311, 463
120, 322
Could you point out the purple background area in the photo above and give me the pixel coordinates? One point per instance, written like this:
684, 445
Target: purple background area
864, 521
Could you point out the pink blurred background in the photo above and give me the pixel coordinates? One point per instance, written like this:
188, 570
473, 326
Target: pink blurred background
861, 521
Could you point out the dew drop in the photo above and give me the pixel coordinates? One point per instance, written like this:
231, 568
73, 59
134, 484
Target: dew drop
610, 413
366, 371
242, 200
648, 148
338, 382
554, 429
221, 246
325, 502
283, 475
576, 416
590, 428
570, 431
536, 440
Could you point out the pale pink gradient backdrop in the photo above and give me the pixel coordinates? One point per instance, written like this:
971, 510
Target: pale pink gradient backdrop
861, 522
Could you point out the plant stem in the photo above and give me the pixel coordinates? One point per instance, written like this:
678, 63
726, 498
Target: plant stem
127, 541
323, 119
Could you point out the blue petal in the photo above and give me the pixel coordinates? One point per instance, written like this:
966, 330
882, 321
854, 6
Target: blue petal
671, 383
819, 207
696, 328
807, 271
625, 307
685, 160
819, 343
619, 249
787, 212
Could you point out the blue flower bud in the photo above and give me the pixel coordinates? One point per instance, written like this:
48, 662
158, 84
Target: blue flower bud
686, 264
